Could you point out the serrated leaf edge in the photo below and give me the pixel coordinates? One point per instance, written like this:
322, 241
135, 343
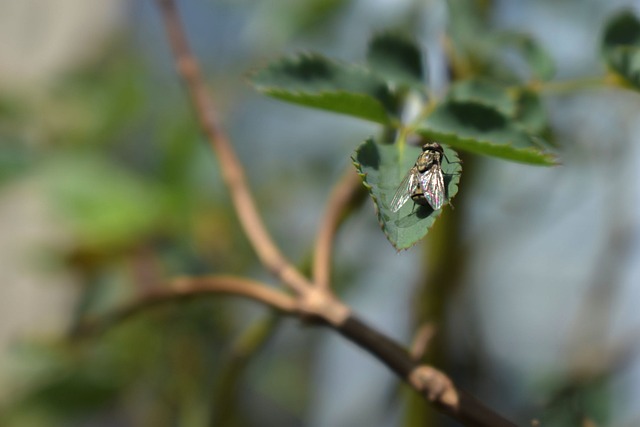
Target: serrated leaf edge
283, 94
276, 91
539, 157
477, 100
296, 57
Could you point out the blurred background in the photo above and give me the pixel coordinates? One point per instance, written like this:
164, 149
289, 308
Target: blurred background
107, 188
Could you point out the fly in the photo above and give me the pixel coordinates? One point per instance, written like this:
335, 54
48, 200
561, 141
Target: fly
424, 183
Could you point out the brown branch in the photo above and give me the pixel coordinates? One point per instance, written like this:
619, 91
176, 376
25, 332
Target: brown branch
232, 171
343, 193
431, 383
313, 301
189, 287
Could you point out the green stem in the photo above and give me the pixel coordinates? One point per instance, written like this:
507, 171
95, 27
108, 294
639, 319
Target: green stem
573, 85
244, 349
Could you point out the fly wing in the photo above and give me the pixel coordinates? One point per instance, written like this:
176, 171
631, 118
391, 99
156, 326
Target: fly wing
432, 184
406, 188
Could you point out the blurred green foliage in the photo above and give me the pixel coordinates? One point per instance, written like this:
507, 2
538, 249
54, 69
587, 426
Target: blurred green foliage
133, 187
130, 180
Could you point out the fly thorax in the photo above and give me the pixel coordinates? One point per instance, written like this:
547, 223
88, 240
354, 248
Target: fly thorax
424, 162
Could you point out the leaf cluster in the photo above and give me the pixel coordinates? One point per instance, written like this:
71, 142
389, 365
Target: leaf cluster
478, 115
488, 109
621, 48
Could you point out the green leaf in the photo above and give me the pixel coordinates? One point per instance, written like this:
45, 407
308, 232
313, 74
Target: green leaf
530, 113
396, 58
520, 104
540, 63
484, 92
315, 81
621, 47
481, 129
382, 168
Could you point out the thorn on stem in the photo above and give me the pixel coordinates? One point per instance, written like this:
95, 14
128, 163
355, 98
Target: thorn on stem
421, 341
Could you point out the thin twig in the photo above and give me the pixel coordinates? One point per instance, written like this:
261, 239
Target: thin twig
314, 301
342, 195
232, 171
574, 85
188, 287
